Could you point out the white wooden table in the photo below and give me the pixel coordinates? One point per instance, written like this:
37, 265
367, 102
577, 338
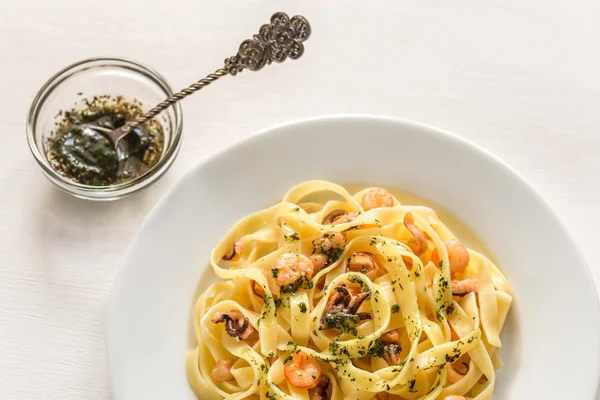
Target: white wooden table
519, 78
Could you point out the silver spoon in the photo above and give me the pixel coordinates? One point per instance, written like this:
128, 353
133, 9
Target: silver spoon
275, 42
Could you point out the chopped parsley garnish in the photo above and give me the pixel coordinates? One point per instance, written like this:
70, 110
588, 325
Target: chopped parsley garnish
342, 321
411, 386
376, 348
302, 282
291, 237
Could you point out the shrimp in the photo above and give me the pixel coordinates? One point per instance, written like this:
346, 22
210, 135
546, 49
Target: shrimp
345, 218
458, 369
391, 337
377, 197
364, 263
329, 241
391, 353
457, 254
236, 251
258, 290
303, 371
326, 249
418, 243
337, 217
455, 397
236, 325
391, 348
319, 261
290, 267
221, 372
460, 288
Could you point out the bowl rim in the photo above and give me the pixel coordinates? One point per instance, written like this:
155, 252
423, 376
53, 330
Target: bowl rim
82, 190
123, 267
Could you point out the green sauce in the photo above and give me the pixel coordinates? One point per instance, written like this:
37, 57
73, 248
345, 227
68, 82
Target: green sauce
85, 155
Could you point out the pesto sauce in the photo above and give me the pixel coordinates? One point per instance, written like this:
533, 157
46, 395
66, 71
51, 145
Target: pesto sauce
85, 155
342, 321
304, 282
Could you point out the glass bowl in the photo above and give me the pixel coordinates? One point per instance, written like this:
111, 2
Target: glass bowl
69, 89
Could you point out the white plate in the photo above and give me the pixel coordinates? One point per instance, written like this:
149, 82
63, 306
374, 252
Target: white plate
552, 339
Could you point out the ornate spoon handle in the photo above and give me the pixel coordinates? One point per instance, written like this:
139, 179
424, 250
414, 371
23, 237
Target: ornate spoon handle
275, 42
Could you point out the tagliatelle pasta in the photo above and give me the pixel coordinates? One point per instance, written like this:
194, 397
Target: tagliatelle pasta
353, 297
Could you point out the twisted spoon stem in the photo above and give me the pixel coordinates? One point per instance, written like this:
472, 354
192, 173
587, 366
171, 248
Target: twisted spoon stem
160, 107
275, 42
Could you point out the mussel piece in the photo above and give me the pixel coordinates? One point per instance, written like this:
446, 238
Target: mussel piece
332, 216
230, 324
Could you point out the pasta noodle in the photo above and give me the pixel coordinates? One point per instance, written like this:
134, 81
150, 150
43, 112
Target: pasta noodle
353, 297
